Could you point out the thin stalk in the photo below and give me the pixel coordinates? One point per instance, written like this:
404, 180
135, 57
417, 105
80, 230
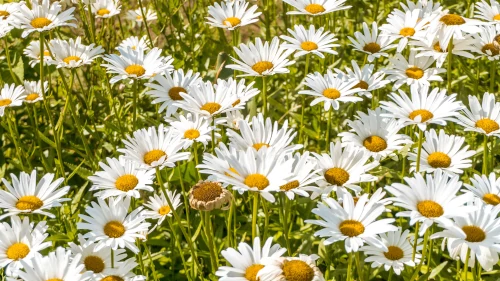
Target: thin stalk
493, 72
301, 132
391, 272
254, 214
284, 219
229, 220
179, 248
485, 155
112, 258
328, 128
148, 252
358, 266
465, 270
419, 151
349, 266
139, 257
145, 23
7, 56
14, 138
415, 241
449, 63
134, 104
195, 155
264, 96
206, 223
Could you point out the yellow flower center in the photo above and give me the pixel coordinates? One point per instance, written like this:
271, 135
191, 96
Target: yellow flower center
40, 22
474, 233
424, 114
375, 143
126, 182
71, 58
260, 145
415, 72
395, 253
4, 14
164, 210
191, 134
112, 278
46, 53
231, 21
351, 228
114, 229
138, 17
331, 93
251, 272
407, 31
257, 180
103, 12
135, 69
372, 48
315, 8
32, 97
289, 186
487, 125
494, 50
336, 176
439, 160
5, 102
54, 279
207, 191
437, 48
232, 170
29, 202
211, 107
153, 155
430, 209
492, 199
236, 103
262, 66
297, 270
362, 85
309, 46
452, 19
496, 17
17, 251
94, 263
174, 93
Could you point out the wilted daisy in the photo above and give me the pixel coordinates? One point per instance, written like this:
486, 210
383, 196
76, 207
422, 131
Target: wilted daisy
20, 241
209, 195
10, 96
154, 147
32, 51
486, 188
241, 93
246, 261
404, 27
316, 7
452, 26
354, 223
429, 47
487, 12
367, 79
110, 225
484, 117
422, 107
192, 128
376, 134
330, 89
72, 53
167, 87
43, 16
398, 252
444, 152
304, 175
137, 15
262, 59
27, 196
232, 14
106, 8
310, 41
134, 43
429, 200
121, 177
301, 268
371, 43
33, 91
485, 43
158, 208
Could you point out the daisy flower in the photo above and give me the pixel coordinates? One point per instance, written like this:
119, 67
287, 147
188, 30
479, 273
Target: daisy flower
415, 71
72, 53
483, 118
105, 8
124, 272
154, 147
26, 196
485, 43
110, 225
8, 12
478, 231
158, 208
442, 152
304, 175
330, 89
246, 261
43, 16
32, 51
354, 223
404, 27
5, 27
452, 26
218, 163
33, 91
422, 108
487, 12
241, 92
376, 134
20, 241
368, 81
262, 59
120, 178
486, 188
137, 16
344, 167
429, 47
135, 43
10, 96
301, 268
429, 200
316, 7
427, 8
192, 128
209, 195
370, 43
310, 41
233, 118
232, 14
398, 254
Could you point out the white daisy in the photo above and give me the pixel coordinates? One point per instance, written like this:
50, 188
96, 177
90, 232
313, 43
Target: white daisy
106, 8
136, 15
486, 188
8, 12
241, 92
316, 7
232, 14
487, 12
33, 91
301, 268
158, 208
124, 272
485, 43
26, 196
192, 128
429, 47
5, 27
452, 26
32, 51
72, 53
218, 163
310, 41
10, 96
427, 8
404, 27
483, 118
367, 79
371, 43
304, 175
233, 118
135, 43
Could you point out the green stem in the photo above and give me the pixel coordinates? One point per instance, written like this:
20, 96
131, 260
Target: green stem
349, 266
391, 272
179, 248
358, 267
419, 151
148, 252
415, 242
254, 214
14, 137
284, 219
466, 265
7, 56
206, 223
145, 23
134, 104
301, 132
328, 128
264, 96
485, 155
493, 72
195, 155
449, 59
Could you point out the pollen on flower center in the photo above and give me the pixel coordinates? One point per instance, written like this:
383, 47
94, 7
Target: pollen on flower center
414, 72
5, 102
251, 272
29, 202
164, 210
336, 176
375, 143
297, 270
40, 22
362, 85
492, 48
191, 134
112, 278
487, 125
372, 48
407, 31
351, 228
103, 12
331, 93
492, 199
257, 180
17, 251
424, 114
174, 93
138, 17
452, 19
153, 155
437, 48
315, 8
439, 160
94, 263
114, 229
236, 102
32, 97
474, 233
232, 21
289, 186
496, 17
394, 253
262, 66
309, 46
69, 59
211, 107
260, 145
135, 69
4, 14
430, 209
207, 191
126, 182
